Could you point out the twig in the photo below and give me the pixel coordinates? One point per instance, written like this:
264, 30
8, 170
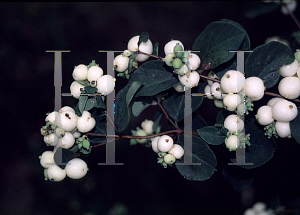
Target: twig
292, 15
111, 122
140, 52
167, 116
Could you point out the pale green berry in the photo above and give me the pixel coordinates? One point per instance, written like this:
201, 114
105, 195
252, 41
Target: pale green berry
297, 55
240, 110
219, 103
177, 63
169, 47
169, 159
169, 59
178, 50
127, 53
141, 132
179, 87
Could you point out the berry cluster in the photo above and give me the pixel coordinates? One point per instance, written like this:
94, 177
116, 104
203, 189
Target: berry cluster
167, 151
147, 129
64, 129
91, 75
259, 208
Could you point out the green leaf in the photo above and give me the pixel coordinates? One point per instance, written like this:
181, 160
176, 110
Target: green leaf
131, 59
100, 102
217, 39
211, 135
155, 49
154, 77
224, 131
89, 89
82, 102
261, 148
265, 60
84, 83
91, 103
221, 116
76, 109
93, 63
201, 154
143, 38
174, 105
122, 114
132, 90
138, 107
295, 128
62, 156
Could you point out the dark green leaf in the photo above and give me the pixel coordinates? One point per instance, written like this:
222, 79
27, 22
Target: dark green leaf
77, 111
211, 135
174, 105
132, 90
100, 102
201, 154
82, 102
138, 107
221, 116
89, 89
131, 59
84, 83
154, 77
93, 63
91, 103
261, 149
217, 39
295, 128
143, 38
155, 49
265, 60
62, 156
224, 131
122, 114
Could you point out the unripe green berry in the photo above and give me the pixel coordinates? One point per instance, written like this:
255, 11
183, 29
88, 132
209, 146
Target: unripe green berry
141, 133
178, 50
177, 63
169, 159
169, 59
86, 144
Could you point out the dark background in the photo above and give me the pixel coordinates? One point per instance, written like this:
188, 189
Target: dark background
140, 186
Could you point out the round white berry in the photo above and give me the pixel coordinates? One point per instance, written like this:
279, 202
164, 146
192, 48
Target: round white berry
232, 81
179, 87
59, 132
144, 47
47, 159
177, 151
291, 5
289, 87
259, 206
211, 74
219, 103
66, 120
249, 211
216, 91
55, 173
154, 144
165, 143
76, 168
121, 63
232, 142
66, 108
284, 111
272, 101
94, 73
51, 117
207, 92
169, 47
147, 126
141, 132
231, 101
76, 89
233, 123
283, 129
80, 72
289, 70
169, 59
105, 84
254, 88
51, 139
190, 79
76, 134
193, 62
68, 140
127, 53
264, 115
86, 122
169, 159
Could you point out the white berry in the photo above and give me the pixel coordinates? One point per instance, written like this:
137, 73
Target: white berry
177, 151
169, 159
144, 47
249, 211
193, 62
165, 143
211, 74
55, 173
283, 129
208, 92
219, 103
191, 81
169, 47
66, 108
147, 126
233, 123
76, 168
86, 122
66, 120
76, 89
105, 84
94, 73
216, 91
51, 139
264, 115
121, 63
76, 134
272, 101
232, 142
284, 111
231, 101
254, 88
154, 144
259, 206
47, 159
141, 132
51, 117
289, 87
232, 81
289, 70
80, 72
291, 5
68, 140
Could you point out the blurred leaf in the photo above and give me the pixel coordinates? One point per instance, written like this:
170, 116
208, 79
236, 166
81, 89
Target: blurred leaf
132, 90
211, 135
122, 114
260, 8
